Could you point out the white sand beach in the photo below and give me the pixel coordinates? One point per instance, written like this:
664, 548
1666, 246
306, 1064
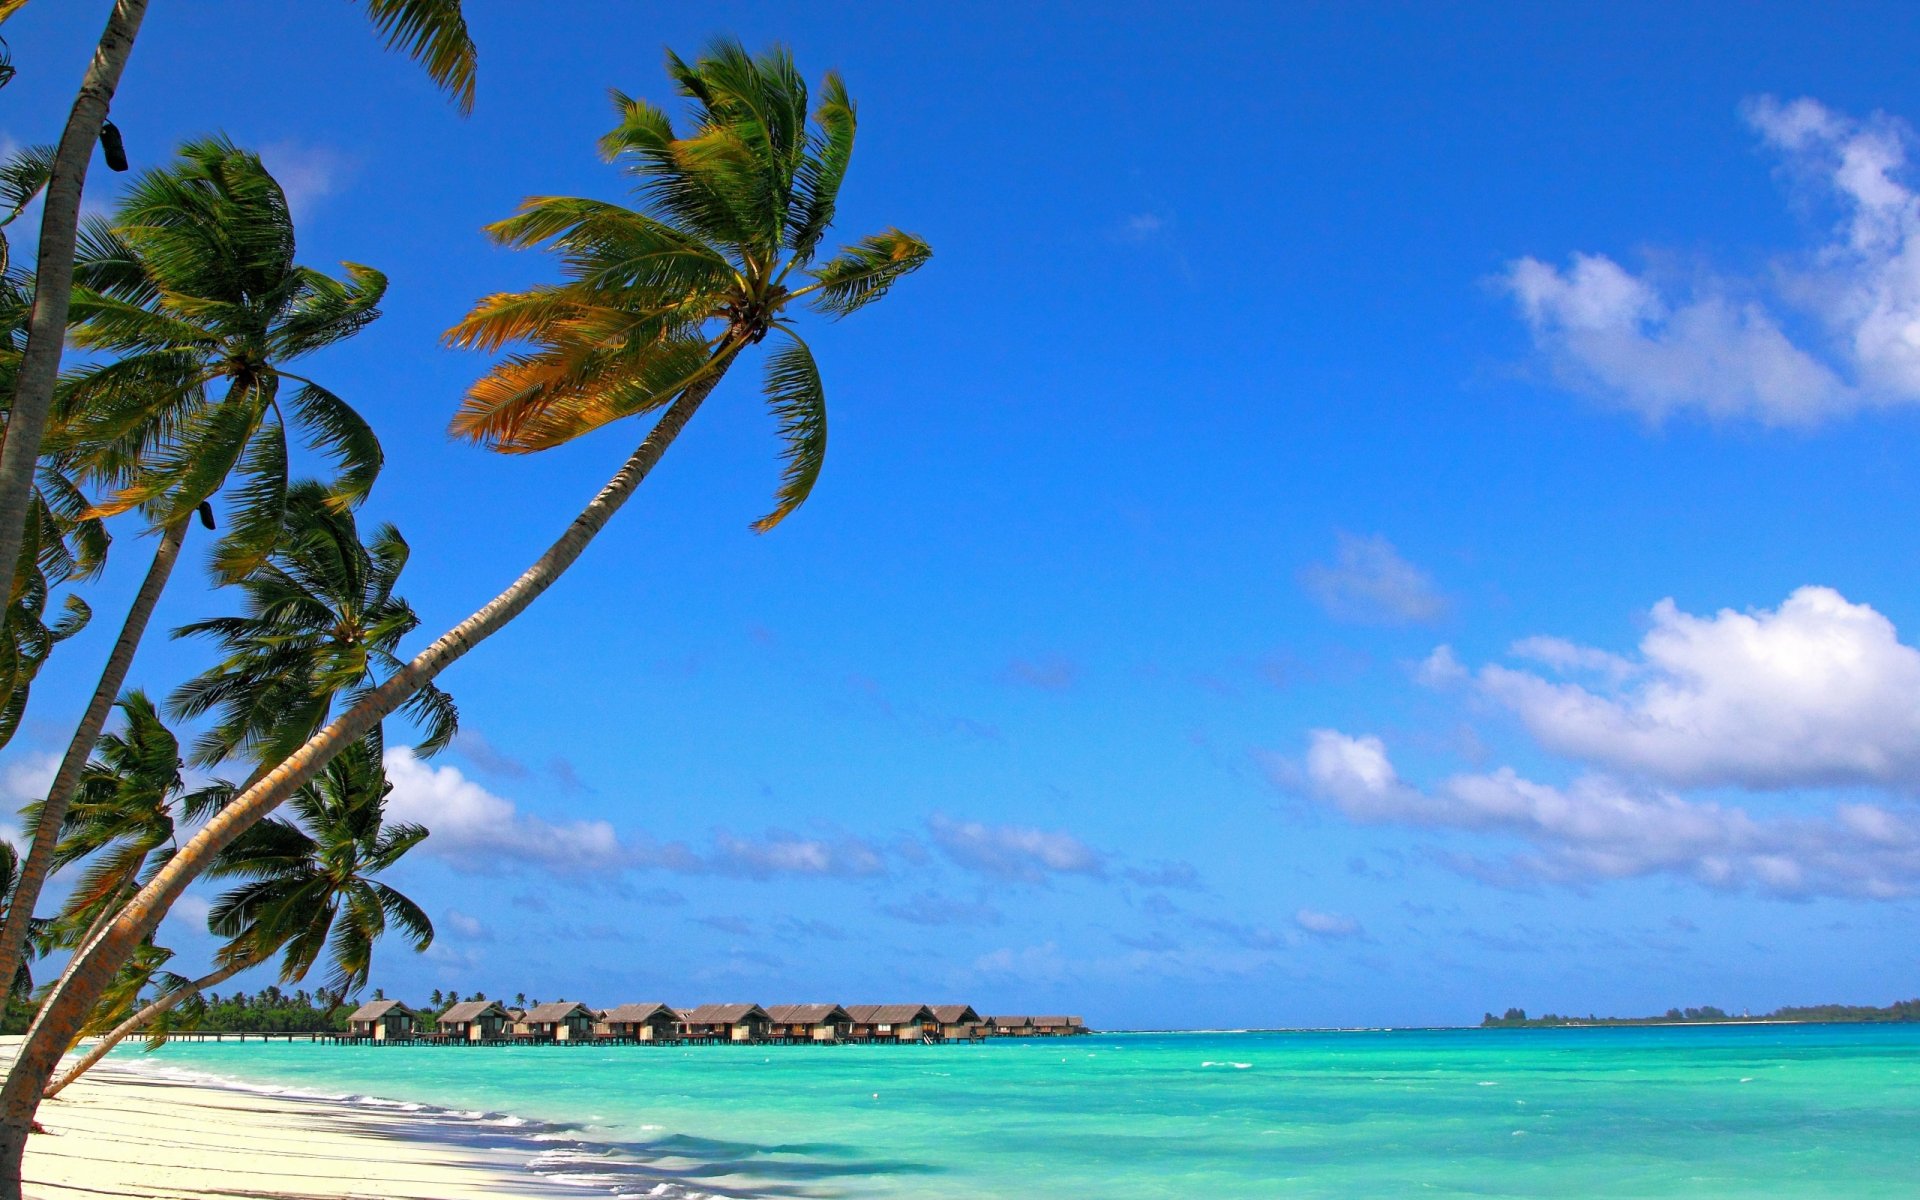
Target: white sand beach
120, 1133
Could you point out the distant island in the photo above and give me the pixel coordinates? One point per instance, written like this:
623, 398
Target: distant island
1816, 1014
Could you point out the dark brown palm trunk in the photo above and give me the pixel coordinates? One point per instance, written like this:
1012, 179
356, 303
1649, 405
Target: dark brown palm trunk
53, 272
65, 1012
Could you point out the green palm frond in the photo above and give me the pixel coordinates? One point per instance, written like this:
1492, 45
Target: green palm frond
434, 34
863, 272
799, 403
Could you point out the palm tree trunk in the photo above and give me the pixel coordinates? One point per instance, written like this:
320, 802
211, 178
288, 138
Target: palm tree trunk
139, 1021
53, 273
64, 1011
46, 835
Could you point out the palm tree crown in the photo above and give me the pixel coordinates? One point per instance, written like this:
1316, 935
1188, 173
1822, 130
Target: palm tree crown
659, 302
321, 620
194, 285
132, 798
310, 885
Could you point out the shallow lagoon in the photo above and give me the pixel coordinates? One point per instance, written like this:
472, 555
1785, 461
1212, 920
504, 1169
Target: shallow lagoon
1755, 1110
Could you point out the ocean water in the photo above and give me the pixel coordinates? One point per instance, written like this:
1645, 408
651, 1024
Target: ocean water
1774, 1111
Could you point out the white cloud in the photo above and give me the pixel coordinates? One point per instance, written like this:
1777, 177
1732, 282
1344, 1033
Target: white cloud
1817, 692
1014, 852
190, 911
1599, 828
1607, 330
1369, 582
307, 174
1441, 669
465, 925
790, 854
1328, 925
24, 779
1715, 345
476, 829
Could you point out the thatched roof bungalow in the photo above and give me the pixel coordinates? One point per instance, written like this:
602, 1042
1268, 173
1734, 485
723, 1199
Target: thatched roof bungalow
475, 1021
1058, 1026
727, 1023
556, 1021
810, 1022
1010, 1026
641, 1022
383, 1021
890, 1022
958, 1022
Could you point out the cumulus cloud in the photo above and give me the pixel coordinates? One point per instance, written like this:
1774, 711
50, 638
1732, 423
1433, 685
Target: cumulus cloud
476, 829
1816, 692
1725, 347
1599, 828
24, 779
1369, 582
1014, 852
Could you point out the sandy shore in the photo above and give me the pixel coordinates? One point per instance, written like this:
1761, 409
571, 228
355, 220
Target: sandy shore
120, 1133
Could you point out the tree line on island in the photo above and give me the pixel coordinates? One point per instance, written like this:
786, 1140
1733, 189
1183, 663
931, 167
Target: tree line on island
1899, 1012
192, 421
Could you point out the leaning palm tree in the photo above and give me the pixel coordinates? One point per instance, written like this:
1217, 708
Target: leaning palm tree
64, 543
310, 887
321, 622
433, 32
195, 287
655, 308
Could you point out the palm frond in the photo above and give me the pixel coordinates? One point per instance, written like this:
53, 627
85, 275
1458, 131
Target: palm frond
799, 403
434, 34
863, 272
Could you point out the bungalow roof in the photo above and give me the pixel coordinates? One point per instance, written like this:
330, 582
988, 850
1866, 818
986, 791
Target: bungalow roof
723, 1014
555, 1011
373, 1010
637, 1014
807, 1014
471, 1010
955, 1014
889, 1014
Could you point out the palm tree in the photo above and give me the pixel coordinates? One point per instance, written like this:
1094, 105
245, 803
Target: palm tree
432, 32
125, 820
321, 620
310, 887
63, 543
746, 198
195, 284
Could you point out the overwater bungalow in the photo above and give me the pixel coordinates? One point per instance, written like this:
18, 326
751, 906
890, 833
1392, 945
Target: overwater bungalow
810, 1022
383, 1021
726, 1023
556, 1021
475, 1021
1058, 1026
958, 1022
1010, 1026
640, 1022
891, 1022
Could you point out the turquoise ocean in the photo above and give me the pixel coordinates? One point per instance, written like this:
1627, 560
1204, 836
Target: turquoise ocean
1754, 1110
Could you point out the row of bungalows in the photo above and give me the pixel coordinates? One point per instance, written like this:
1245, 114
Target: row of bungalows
570, 1021
1012, 1026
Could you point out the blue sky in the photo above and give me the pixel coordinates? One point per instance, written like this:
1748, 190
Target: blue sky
1370, 516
